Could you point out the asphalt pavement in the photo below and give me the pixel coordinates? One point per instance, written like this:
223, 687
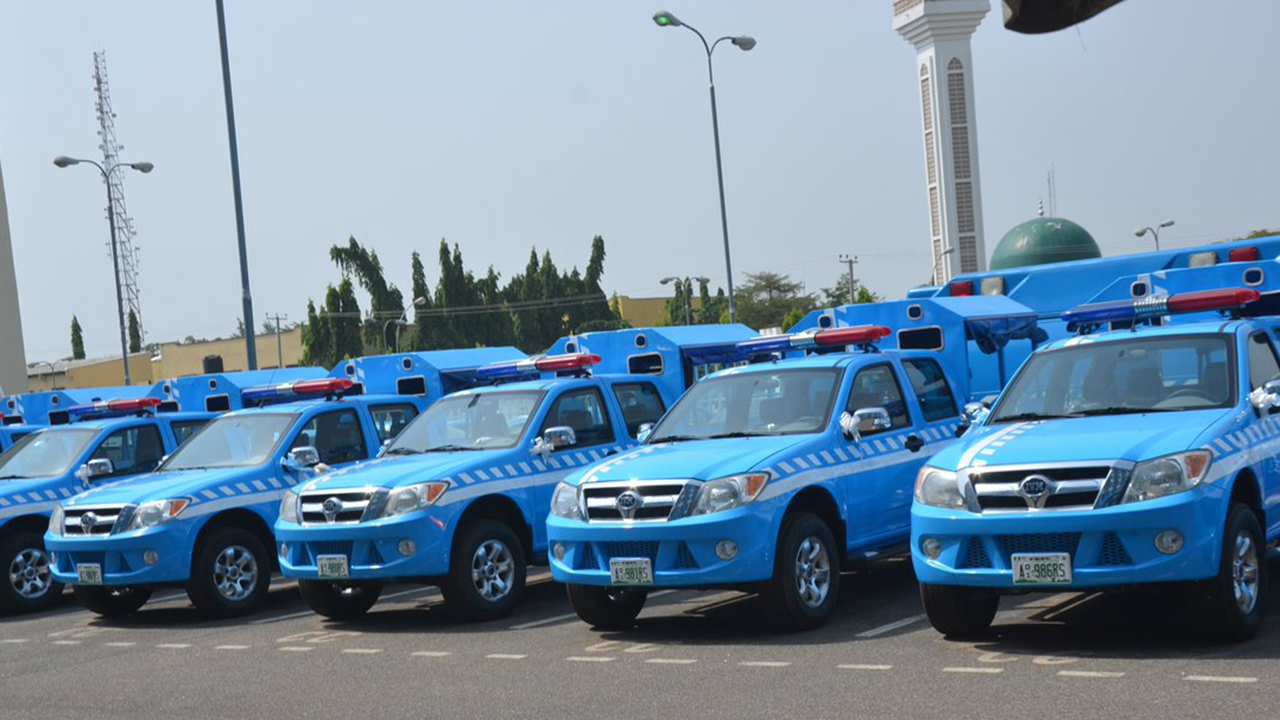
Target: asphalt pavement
692, 655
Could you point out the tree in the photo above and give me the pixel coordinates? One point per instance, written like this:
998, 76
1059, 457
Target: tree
346, 326
135, 334
423, 337
766, 298
385, 300
317, 341
838, 295
77, 339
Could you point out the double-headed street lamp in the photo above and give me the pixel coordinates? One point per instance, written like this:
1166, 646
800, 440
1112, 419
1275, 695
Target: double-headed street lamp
744, 43
687, 285
1155, 231
142, 167
401, 322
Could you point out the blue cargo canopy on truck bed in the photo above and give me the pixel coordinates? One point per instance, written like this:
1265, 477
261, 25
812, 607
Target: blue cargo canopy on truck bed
433, 373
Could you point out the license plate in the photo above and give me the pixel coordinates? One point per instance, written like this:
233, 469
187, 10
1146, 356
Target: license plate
631, 571
89, 574
333, 567
1041, 568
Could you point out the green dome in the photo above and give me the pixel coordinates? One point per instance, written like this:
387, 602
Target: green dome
1043, 240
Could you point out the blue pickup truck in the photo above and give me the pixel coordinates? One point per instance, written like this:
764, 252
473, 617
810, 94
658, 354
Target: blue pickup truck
766, 477
459, 499
97, 444
1115, 458
203, 518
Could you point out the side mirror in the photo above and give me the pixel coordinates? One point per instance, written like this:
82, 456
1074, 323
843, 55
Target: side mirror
301, 459
864, 420
559, 437
1266, 397
646, 429
101, 467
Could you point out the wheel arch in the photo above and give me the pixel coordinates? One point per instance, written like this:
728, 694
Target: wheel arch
26, 523
242, 518
502, 508
1245, 489
819, 500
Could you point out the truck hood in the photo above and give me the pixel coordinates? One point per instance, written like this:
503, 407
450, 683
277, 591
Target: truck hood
695, 459
177, 484
1125, 437
407, 469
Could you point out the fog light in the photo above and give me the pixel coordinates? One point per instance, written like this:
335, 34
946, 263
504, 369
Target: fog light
726, 549
931, 548
408, 547
284, 550
151, 557
1169, 541
558, 551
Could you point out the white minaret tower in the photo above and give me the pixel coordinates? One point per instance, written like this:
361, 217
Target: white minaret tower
940, 31
13, 359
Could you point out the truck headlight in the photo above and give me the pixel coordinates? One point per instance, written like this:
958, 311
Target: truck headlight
564, 502
409, 498
728, 493
289, 506
1168, 475
939, 488
154, 512
55, 520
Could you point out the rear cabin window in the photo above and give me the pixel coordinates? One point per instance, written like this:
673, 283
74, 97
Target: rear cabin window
389, 420
646, 364
932, 391
640, 403
1262, 361
183, 429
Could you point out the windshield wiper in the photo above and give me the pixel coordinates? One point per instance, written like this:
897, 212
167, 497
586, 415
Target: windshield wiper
1032, 416
675, 438
449, 448
1122, 410
738, 434
13, 477
403, 451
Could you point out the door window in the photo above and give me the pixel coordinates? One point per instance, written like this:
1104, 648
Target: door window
336, 436
186, 428
1262, 361
640, 403
876, 387
584, 411
132, 450
389, 420
932, 391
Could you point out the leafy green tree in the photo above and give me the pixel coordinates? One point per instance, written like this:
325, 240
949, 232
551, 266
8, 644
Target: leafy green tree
77, 339
766, 297
385, 300
317, 340
135, 333
346, 335
423, 335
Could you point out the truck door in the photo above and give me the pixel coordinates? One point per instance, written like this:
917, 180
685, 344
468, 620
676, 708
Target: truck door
1263, 368
132, 451
878, 493
584, 410
337, 435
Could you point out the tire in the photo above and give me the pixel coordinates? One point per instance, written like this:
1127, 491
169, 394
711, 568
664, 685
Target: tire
806, 574
230, 573
1231, 606
339, 601
486, 571
111, 601
607, 608
957, 611
26, 584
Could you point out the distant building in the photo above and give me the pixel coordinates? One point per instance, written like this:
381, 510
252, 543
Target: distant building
1044, 240
647, 312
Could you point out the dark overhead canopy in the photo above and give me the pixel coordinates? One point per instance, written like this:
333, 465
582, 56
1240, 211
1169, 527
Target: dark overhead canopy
1042, 16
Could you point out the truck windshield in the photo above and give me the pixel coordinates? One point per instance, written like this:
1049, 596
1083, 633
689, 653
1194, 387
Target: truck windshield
45, 454
232, 441
775, 402
475, 421
1154, 374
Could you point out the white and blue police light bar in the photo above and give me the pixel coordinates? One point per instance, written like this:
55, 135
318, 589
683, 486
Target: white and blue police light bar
301, 388
108, 408
832, 337
1123, 310
546, 363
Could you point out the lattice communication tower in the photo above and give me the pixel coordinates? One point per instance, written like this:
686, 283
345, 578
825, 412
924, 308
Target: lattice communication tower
111, 147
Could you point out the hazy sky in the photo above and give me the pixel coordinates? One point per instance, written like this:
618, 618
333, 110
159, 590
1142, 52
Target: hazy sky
501, 125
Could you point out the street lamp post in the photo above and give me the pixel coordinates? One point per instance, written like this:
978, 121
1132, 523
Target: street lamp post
1155, 232
665, 19
687, 285
401, 321
63, 161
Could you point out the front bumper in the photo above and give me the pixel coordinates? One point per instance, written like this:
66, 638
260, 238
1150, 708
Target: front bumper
121, 555
1108, 547
682, 551
372, 548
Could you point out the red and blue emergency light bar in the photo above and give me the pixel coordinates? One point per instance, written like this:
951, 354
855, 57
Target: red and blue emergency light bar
299, 389
830, 338
546, 363
1125, 310
108, 408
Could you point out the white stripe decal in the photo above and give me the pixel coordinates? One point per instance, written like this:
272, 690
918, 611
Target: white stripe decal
973, 451
467, 479
242, 487
261, 486
481, 475
209, 494
226, 490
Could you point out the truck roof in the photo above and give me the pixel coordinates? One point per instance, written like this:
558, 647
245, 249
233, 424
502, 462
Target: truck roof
1196, 328
302, 405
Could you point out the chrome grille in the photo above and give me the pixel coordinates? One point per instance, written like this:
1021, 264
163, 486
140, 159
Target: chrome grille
348, 505
650, 501
91, 519
1065, 487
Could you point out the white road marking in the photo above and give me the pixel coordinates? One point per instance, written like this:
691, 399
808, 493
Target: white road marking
120, 644
1089, 674
590, 658
859, 666
232, 647
305, 613
174, 646
505, 656
15, 640
544, 621
410, 591
295, 648
1222, 679
167, 598
764, 663
978, 670
431, 653
890, 627
361, 651
66, 642
672, 661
